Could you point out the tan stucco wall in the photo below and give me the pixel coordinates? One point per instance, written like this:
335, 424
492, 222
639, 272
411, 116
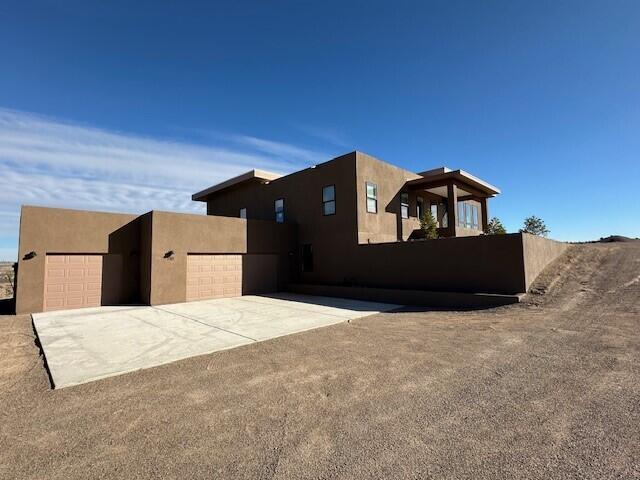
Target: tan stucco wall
383, 226
478, 264
538, 252
134, 267
486, 264
331, 236
184, 234
52, 230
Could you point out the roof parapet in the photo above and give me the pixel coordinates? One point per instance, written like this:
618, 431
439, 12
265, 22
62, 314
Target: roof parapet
250, 176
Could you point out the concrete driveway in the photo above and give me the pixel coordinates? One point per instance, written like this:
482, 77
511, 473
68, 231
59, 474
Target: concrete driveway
89, 344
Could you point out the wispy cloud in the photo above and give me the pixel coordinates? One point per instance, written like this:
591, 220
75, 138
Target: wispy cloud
329, 135
47, 161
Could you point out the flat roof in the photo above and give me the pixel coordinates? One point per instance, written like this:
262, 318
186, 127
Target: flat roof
250, 176
432, 176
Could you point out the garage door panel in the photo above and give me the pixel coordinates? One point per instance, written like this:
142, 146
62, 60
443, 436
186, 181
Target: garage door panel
213, 276
72, 281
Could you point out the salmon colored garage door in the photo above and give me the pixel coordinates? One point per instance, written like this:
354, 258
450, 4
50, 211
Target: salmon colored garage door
72, 281
213, 276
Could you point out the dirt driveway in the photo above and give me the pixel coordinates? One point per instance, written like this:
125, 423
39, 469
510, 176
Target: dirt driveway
546, 389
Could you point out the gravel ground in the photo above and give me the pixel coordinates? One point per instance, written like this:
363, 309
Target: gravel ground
545, 389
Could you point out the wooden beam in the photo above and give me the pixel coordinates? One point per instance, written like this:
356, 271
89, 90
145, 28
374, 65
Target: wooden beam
452, 207
485, 213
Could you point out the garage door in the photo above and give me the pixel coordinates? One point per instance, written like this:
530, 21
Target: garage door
213, 276
72, 281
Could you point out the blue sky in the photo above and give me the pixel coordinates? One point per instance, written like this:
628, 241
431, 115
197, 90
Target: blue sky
128, 106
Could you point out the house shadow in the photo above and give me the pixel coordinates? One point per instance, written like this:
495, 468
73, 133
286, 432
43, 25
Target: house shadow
121, 266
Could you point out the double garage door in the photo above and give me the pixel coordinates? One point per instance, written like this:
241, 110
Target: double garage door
213, 276
72, 281
75, 281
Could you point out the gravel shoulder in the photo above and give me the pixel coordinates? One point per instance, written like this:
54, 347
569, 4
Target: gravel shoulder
549, 388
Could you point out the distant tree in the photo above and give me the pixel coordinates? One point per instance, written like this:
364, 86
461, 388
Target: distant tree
495, 227
535, 226
428, 225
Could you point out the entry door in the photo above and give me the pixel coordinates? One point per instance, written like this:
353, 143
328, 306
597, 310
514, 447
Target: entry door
72, 281
213, 276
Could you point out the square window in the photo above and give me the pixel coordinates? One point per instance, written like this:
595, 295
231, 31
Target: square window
372, 197
329, 200
404, 205
279, 207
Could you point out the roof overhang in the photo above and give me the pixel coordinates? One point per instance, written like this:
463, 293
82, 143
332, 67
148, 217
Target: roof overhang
457, 176
259, 176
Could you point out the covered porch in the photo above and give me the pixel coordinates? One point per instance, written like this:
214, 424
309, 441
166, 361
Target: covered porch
457, 200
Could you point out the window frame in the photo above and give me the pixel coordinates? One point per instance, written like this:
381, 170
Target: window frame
433, 206
404, 206
326, 202
419, 207
468, 215
275, 206
374, 197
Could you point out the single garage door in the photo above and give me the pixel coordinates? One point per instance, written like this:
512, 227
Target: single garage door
72, 281
213, 276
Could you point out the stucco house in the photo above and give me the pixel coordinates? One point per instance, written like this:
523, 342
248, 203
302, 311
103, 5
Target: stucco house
346, 227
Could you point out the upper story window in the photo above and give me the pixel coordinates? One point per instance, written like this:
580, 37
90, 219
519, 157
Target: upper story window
329, 200
404, 205
372, 197
243, 213
279, 206
468, 215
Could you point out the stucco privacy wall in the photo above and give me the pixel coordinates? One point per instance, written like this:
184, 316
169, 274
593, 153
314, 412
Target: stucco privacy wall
483, 264
53, 230
266, 244
538, 252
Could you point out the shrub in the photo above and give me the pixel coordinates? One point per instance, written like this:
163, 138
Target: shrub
495, 227
535, 226
428, 225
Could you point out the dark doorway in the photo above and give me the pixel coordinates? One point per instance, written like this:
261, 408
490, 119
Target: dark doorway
307, 258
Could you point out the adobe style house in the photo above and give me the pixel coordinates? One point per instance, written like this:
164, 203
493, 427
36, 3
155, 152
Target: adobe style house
348, 227
369, 200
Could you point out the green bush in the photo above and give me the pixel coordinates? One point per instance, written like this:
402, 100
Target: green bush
428, 225
535, 226
495, 227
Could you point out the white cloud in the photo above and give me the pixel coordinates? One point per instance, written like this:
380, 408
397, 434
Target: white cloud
45, 161
327, 134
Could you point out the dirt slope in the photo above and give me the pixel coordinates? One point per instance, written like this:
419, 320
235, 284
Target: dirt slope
541, 390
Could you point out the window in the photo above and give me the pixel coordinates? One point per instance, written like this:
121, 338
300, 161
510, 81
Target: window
404, 205
434, 212
243, 213
280, 210
419, 208
329, 200
468, 215
307, 258
445, 215
372, 197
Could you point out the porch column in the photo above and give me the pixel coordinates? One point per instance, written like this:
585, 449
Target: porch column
485, 213
452, 208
